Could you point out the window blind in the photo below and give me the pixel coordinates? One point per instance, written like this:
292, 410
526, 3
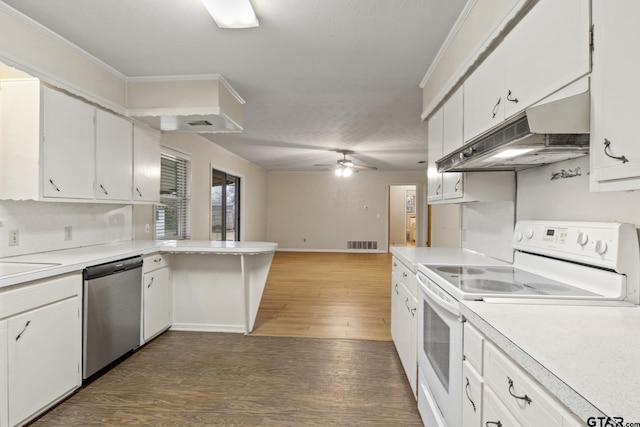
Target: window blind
173, 219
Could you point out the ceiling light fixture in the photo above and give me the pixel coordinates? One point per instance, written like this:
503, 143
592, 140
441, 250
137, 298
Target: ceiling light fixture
344, 171
232, 13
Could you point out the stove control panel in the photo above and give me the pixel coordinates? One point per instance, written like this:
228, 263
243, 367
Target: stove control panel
594, 243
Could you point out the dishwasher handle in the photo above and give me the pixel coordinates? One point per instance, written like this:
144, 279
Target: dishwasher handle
109, 268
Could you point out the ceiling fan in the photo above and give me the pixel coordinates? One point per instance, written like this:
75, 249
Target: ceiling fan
345, 167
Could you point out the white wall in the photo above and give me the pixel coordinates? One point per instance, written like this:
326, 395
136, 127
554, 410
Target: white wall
445, 226
487, 228
204, 154
540, 197
320, 211
41, 225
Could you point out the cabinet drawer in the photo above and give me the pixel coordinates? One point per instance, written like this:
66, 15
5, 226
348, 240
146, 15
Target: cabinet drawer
154, 262
38, 293
495, 414
473, 347
473, 387
406, 276
531, 404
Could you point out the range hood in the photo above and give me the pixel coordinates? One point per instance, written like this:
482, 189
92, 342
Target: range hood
202, 104
546, 133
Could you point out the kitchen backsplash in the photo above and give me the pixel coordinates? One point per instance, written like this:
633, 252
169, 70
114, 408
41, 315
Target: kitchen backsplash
487, 228
41, 225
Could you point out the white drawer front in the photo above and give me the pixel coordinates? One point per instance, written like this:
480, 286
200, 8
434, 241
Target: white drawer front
531, 404
495, 414
154, 262
473, 347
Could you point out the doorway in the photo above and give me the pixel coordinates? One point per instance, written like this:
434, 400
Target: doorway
402, 215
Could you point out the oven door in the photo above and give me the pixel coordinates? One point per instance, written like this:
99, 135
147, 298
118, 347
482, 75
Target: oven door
439, 354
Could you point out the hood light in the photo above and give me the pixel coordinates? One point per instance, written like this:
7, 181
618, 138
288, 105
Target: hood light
232, 13
512, 152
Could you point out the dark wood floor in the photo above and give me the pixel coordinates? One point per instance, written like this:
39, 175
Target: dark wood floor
211, 379
296, 369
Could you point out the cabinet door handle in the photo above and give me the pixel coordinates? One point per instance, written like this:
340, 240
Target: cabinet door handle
413, 312
26, 325
104, 190
466, 391
495, 108
139, 193
395, 265
157, 260
438, 190
54, 185
495, 423
511, 392
397, 293
150, 282
404, 274
406, 304
509, 98
607, 146
455, 187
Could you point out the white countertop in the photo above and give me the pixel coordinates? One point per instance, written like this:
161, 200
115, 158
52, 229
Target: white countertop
587, 356
412, 256
69, 260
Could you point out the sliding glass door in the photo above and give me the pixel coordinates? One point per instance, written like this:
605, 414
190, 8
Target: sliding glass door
225, 206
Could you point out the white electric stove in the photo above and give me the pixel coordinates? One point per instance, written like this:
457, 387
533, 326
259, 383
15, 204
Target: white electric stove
555, 262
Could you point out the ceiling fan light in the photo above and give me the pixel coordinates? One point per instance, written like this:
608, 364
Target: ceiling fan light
347, 172
339, 172
232, 13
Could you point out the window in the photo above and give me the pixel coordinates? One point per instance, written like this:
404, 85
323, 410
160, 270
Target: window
225, 206
173, 219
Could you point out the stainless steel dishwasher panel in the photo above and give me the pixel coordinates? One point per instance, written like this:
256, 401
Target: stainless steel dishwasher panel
112, 313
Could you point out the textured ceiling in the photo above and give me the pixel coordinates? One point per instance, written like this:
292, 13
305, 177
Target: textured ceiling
316, 75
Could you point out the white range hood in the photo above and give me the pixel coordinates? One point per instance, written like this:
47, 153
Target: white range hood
201, 104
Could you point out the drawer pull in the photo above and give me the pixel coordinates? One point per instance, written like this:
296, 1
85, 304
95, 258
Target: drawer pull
395, 265
157, 260
466, 391
404, 274
509, 98
413, 311
406, 304
26, 325
495, 423
525, 397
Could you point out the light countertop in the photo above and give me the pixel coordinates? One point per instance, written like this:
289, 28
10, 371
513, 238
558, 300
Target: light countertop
76, 259
412, 256
587, 356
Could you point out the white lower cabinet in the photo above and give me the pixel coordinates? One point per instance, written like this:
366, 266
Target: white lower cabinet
157, 301
41, 335
404, 321
504, 394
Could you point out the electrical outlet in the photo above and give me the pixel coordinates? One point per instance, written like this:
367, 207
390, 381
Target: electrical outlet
14, 237
147, 228
68, 233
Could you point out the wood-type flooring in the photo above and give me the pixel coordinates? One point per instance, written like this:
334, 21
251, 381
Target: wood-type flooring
327, 295
320, 355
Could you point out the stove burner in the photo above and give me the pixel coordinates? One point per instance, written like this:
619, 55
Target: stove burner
459, 270
478, 285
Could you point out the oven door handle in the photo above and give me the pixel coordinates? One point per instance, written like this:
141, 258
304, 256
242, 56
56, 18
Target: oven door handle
452, 308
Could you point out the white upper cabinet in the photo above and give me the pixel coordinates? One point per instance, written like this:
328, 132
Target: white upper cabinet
452, 183
547, 50
615, 152
434, 179
484, 95
68, 146
146, 164
114, 157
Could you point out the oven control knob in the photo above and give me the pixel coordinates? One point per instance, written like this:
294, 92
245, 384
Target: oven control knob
601, 247
583, 238
529, 233
518, 236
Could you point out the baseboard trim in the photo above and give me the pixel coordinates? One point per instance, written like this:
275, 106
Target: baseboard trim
199, 327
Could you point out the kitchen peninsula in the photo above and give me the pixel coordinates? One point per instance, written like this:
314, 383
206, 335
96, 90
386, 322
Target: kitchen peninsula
217, 286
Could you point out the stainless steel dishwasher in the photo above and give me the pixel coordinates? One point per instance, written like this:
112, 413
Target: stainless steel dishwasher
111, 312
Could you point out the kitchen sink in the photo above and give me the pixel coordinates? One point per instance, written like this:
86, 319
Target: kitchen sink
9, 268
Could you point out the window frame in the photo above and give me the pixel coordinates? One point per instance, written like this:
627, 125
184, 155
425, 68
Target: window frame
185, 234
237, 205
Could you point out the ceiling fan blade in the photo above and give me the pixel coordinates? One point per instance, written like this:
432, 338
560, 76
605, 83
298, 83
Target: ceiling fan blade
326, 166
372, 168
